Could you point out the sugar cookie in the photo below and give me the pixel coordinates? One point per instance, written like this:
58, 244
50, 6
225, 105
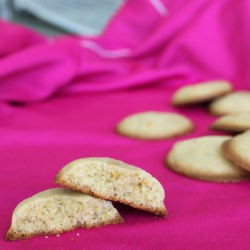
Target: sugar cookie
154, 125
234, 122
202, 158
201, 92
236, 102
116, 181
237, 150
58, 210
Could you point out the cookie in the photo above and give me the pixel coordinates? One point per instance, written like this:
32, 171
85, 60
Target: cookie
200, 92
154, 125
58, 210
237, 150
202, 158
236, 102
238, 122
114, 180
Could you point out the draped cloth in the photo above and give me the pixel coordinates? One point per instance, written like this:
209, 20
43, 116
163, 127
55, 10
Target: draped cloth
61, 98
146, 43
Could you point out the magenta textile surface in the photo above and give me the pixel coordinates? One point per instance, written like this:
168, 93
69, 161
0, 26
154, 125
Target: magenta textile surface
37, 140
155, 50
191, 41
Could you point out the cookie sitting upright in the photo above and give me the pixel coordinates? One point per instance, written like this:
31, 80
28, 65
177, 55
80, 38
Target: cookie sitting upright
237, 150
114, 180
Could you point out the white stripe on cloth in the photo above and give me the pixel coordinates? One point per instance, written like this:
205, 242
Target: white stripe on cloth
103, 52
160, 7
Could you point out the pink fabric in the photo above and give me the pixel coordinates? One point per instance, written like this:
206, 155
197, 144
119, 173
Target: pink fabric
196, 40
37, 140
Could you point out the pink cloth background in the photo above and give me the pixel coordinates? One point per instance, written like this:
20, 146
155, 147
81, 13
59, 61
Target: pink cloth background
137, 63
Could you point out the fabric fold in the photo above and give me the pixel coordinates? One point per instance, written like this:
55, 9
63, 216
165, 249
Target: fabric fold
194, 41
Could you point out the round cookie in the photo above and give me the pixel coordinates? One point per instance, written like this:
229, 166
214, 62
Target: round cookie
154, 125
114, 180
59, 210
237, 150
201, 92
237, 102
202, 158
234, 123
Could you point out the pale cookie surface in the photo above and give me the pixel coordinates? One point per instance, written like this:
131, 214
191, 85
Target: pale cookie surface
201, 92
114, 180
154, 125
233, 123
238, 150
236, 102
58, 210
202, 158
